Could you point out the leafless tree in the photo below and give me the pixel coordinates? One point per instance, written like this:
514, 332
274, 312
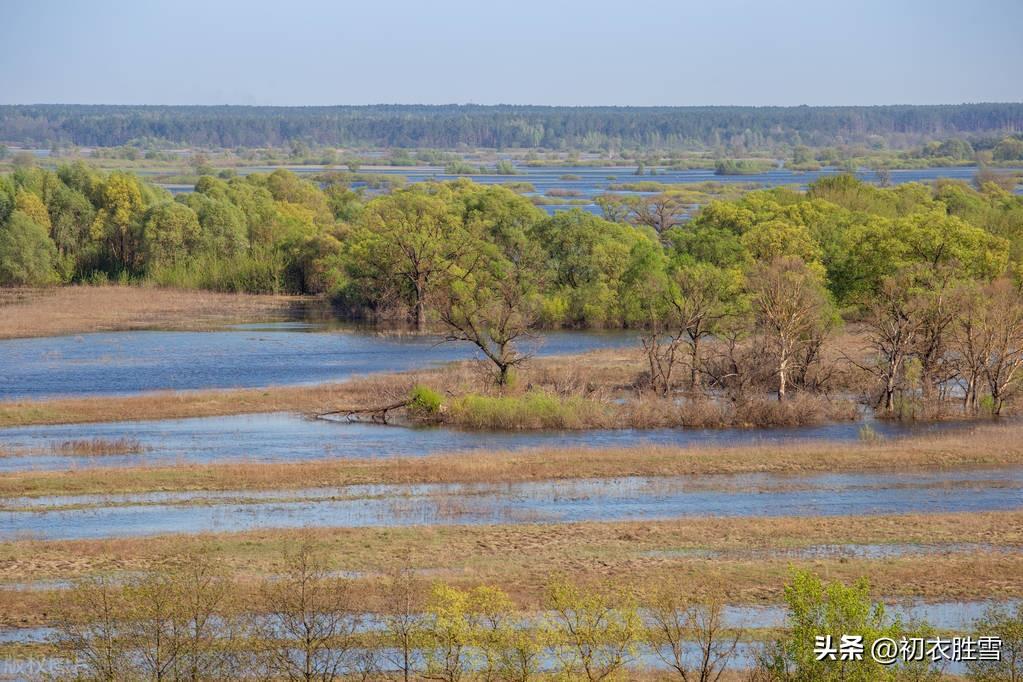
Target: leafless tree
403, 619
892, 331
678, 621
90, 628
790, 305
1002, 341
308, 631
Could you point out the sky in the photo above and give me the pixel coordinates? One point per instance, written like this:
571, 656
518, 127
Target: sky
634, 52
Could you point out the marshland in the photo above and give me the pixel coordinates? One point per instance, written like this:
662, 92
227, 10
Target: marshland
284, 424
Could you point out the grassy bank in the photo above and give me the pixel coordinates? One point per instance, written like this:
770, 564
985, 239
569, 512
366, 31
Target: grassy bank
80, 309
988, 446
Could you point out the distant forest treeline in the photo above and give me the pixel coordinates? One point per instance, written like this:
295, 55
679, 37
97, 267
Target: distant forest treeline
503, 126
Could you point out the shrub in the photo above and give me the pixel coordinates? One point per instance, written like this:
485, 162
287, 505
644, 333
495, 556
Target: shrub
424, 403
534, 410
27, 253
1000, 622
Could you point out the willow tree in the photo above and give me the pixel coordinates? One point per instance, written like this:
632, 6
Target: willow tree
405, 244
494, 307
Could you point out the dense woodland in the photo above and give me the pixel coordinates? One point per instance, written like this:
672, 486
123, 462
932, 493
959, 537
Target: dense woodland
451, 126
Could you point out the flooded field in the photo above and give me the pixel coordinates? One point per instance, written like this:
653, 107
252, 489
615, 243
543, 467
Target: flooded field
283, 437
622, 499
583, 184
253, 355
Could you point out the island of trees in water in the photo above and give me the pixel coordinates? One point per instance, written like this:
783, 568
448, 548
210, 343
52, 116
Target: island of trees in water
934, 270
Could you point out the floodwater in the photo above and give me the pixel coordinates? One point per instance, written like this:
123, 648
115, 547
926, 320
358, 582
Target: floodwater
247, 356
284, 437
620, 499
585, 183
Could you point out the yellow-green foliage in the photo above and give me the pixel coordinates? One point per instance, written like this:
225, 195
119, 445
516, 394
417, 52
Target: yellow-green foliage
424, 401
533, 410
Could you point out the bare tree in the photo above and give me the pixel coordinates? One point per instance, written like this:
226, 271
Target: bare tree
403, 620
90, 628
309, 627
790, 304
1002, 341
936, 311
661, 212
153, 627
678, 622
968, 345
892, 331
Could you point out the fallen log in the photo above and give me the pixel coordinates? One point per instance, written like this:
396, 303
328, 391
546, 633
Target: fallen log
377, 415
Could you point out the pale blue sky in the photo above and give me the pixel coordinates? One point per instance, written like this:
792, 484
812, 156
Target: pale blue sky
634, 52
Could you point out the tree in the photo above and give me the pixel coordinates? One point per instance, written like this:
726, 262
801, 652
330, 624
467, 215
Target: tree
118, 220
661, 212
790, 305
27, 254
678, 622
615, 207
989, 343
832, 610
223, 231
596, 631
413, 239
892, 330
170, 232
32, 206
1006, 625
448, 637
403, 619
584, 262
494, 308
309, 626
707, 295
71, 215
90, 626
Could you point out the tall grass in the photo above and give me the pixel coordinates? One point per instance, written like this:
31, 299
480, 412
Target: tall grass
241, 274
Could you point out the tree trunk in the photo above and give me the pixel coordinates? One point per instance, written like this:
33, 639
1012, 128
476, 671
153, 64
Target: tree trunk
420, 287
783, 367
694, 375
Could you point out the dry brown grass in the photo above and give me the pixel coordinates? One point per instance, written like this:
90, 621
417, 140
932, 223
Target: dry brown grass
521, 558
983, 446
95, 447
77, 309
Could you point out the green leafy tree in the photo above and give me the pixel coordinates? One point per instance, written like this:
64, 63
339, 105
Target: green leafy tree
596, 631
117, 225
1007, 625
831, 610
407, 243
223, 231
170, 232
27, 254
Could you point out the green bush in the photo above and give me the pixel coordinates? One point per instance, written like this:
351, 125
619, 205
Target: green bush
533, 410
424, 402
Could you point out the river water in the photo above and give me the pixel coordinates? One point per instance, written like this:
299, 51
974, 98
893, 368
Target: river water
574, 500
283, 437
586, 182
251, 355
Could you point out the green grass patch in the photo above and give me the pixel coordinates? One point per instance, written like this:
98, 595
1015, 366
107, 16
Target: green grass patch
533, 410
